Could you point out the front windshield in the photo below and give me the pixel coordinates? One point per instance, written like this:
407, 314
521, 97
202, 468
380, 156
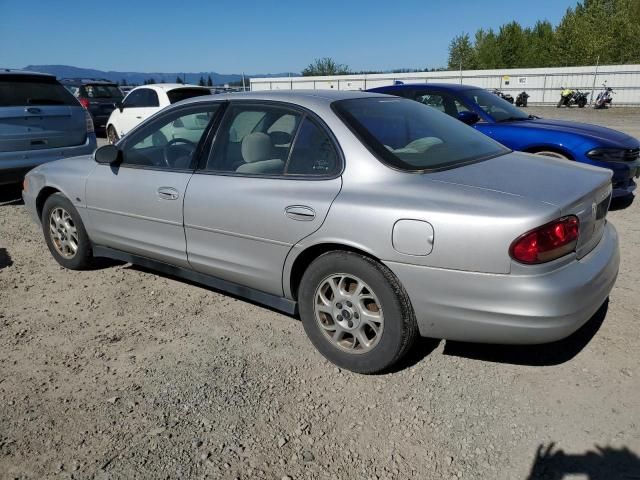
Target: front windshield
499, 109
411, 136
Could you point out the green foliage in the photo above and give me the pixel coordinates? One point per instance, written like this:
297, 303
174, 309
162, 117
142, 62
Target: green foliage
325, 66
462, 53
209, 81
609, 29
179, 80
201, 82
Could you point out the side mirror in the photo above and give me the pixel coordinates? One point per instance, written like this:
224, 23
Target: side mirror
470, 118
108, 155
120, 106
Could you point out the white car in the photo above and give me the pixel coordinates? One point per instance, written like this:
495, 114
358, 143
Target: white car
144, 101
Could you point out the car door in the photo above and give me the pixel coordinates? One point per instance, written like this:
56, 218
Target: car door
139, 105
137, 206
268, 182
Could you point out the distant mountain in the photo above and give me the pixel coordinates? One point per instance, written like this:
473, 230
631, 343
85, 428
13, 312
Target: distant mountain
137, 78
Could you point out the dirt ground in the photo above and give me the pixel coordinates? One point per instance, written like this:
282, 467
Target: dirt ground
122, 373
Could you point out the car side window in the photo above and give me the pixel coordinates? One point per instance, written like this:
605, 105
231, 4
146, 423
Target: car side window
254, 140
170, 141
441, 101
313, 152
135, 99
150, 98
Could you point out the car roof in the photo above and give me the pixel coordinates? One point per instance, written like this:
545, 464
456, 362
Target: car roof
455, 87
87, 81
305, 98
11, 71
170, 86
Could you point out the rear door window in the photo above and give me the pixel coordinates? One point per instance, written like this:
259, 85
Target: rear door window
23, 90
254, 139
313, 152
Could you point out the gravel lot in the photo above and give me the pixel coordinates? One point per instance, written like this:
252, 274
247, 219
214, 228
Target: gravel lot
122, 373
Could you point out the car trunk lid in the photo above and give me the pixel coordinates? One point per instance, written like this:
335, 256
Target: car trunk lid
575, 189
36, 113
41, 127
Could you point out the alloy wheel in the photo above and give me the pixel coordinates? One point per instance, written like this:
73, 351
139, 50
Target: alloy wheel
348, 313
63, 232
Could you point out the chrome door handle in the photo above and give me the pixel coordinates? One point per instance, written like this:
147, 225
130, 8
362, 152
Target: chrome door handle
168, 193
300, 212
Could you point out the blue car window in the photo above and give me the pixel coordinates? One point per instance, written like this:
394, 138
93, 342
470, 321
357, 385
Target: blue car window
499, 109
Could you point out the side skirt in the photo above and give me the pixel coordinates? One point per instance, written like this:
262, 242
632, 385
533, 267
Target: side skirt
278, 303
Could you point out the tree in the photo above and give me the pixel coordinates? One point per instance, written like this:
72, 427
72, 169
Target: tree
123, 82
209, 81
461, 53
607, 30
201, 82
179, 80
325, 66
512, 45
486, 47
540, 41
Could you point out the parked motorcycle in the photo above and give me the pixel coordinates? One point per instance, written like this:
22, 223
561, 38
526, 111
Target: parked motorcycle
522, 99
569, 97
604, 98
504, 96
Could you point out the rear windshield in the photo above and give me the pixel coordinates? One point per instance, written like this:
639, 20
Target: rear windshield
22, 90
102, 91
411, 136
183, 93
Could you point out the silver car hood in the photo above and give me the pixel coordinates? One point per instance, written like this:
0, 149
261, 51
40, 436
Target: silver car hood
534, 177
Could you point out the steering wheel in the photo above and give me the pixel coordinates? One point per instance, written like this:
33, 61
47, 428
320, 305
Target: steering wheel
187, 146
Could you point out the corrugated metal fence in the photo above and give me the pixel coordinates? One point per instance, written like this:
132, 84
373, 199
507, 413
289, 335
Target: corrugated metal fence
542, 84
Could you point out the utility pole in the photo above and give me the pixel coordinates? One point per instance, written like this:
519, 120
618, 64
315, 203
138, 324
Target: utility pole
244, 89
460, 72
593, 86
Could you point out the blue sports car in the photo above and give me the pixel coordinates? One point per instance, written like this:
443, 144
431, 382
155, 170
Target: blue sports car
510, 126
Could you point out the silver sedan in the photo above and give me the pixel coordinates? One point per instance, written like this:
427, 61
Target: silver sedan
375, 218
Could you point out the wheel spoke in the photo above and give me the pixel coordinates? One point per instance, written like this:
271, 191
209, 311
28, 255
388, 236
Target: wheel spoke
335, 285
337, 334
362, 338
369, 316
324, 308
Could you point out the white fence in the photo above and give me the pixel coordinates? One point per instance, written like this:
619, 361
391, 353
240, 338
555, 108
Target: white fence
542, 84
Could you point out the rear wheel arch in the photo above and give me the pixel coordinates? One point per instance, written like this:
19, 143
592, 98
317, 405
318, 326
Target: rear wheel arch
307, 256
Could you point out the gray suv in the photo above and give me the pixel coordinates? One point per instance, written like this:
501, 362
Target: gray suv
40, 121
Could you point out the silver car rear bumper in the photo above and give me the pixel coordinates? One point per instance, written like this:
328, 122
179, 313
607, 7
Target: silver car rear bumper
511, 309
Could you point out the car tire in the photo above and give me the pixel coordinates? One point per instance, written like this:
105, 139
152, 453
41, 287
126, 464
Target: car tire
356, 312
65, 234
112, 135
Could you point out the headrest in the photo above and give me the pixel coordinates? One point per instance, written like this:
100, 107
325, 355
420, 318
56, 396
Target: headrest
256, 147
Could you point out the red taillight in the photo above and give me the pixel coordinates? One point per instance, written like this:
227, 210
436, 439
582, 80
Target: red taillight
84, 102
547, 242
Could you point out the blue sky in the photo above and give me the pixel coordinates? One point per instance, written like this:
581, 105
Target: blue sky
250, 36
